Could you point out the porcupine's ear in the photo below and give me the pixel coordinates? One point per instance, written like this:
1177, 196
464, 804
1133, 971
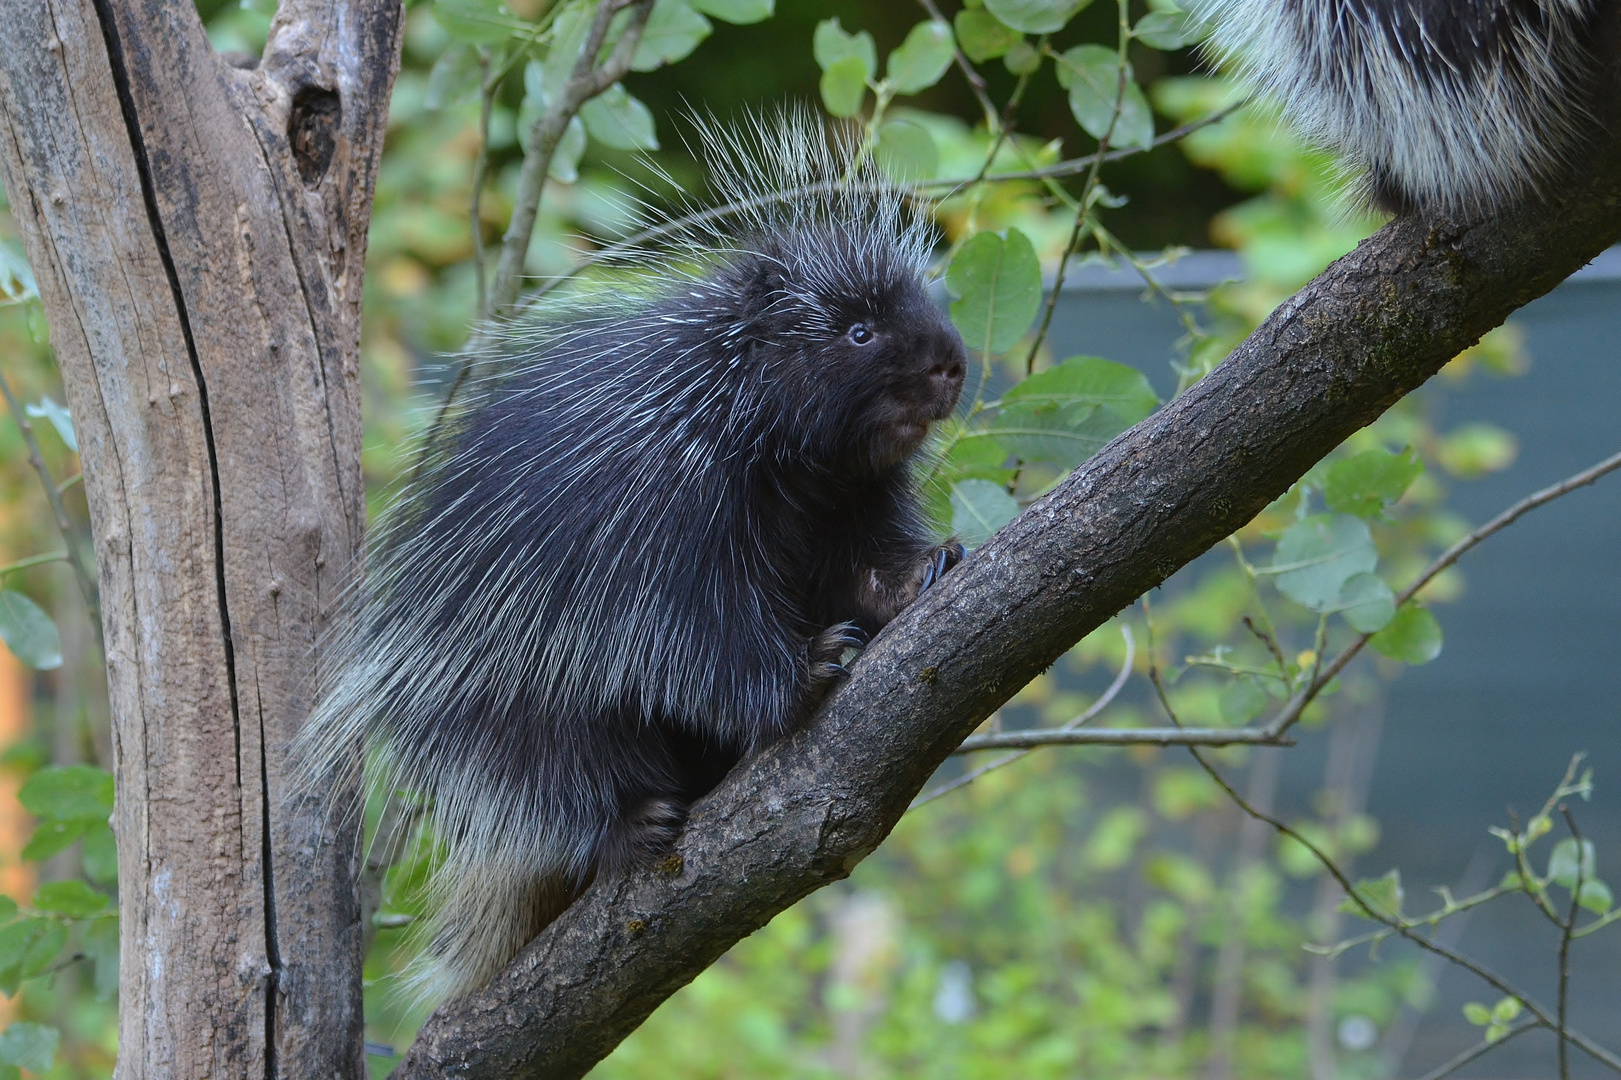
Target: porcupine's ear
764, 290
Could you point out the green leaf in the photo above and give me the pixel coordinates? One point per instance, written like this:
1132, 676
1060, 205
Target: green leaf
738, 12
100, 854
1477, 449
1241, 701
1413, 636
1180, 876
844, 85
1091, 74
672, 31
1477, 1014
1367, 483
8, 908
1065, 435
101, 946
1317, 556
995, 285
616, 119
1022, 58
1165, 30
565, 163
1367, 603
922, 58
1114, 838
978, 509
28, 632
1596, 897
1506, 1010
1035, 16
455, 78
1563, 866
983, 36
1091, 380
479, 21
60, 419
906, 151
27, 948
831, 44
1383, 894
16, 276
52, 837
69, 793
74, 899
28, 1045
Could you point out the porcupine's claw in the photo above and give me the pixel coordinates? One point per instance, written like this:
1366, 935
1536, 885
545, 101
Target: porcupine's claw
827, 649
945, 557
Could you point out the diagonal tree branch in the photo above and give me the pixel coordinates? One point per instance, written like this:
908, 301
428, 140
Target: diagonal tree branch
1371, 328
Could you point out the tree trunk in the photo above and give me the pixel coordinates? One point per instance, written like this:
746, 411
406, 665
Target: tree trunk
198, 235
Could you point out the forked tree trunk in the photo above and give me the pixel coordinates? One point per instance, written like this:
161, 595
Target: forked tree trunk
198, 233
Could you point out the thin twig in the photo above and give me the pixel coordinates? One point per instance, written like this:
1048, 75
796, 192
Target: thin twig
1396, 923
586, 81
1083, 210
655, 233
1296, 705
481, 164
394, 828
976, 82
1564, 944
87, 585
33, 560
1484, 1046
1007, 759
1171, 736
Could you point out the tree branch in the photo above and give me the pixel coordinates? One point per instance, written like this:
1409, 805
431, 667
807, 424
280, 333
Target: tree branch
1371, 328
585, 82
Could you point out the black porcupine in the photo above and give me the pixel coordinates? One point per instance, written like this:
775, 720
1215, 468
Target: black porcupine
655, 520
1462, 106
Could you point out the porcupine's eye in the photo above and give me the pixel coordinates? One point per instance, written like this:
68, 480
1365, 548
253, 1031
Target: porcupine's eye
860, 333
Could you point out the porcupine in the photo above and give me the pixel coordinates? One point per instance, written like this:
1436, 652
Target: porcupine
656, 519
1458, 106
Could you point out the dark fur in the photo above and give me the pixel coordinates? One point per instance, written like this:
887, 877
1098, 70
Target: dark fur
1457, 106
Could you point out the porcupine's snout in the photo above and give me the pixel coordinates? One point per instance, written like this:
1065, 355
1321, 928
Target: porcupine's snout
946, 372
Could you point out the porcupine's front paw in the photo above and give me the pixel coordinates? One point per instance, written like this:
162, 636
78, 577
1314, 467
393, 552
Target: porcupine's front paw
937, 562
825, 653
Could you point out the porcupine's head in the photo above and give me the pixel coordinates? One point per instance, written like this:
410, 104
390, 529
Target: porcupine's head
857, 357
818, 267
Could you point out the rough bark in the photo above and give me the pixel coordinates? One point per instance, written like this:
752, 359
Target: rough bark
198, 235
1374, 326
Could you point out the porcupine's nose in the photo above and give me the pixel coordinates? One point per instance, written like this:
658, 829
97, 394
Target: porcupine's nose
946, 377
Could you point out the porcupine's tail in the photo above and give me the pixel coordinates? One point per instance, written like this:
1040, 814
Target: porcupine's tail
480, 917
1459, 106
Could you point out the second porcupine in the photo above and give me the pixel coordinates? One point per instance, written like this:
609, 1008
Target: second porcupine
656, 519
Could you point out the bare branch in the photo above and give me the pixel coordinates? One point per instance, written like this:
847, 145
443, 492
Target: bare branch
1007, 759
1173, 736
1452, 1065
